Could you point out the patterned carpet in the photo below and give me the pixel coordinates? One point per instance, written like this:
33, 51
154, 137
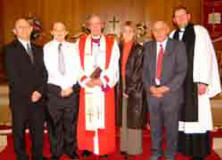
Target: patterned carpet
6, 144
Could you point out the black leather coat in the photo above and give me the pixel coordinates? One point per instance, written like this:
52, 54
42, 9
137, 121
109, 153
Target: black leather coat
137, 105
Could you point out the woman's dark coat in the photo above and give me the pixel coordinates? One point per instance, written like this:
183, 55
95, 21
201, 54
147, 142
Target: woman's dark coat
137, 105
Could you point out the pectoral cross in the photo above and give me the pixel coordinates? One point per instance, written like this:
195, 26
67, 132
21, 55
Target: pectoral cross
98, 113
90, 114
114, 21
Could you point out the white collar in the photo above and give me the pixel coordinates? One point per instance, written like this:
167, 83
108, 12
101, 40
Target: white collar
57, 42
163, 43
182, 29
96, 37
24, 42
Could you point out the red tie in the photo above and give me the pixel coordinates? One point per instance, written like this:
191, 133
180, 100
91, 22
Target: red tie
159, 62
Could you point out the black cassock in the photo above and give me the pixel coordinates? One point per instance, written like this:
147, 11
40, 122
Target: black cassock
196, 145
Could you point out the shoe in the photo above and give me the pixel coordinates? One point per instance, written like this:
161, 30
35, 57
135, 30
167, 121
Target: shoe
123, 153
53, 158
154, 158
86, 154
197, 158
103, 156
74, 156
43, 158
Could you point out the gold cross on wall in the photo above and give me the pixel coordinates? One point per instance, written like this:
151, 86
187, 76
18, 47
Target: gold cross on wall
114, 21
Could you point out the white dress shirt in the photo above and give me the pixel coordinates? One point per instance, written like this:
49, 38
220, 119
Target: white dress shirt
164, 43
71, 59
24, 43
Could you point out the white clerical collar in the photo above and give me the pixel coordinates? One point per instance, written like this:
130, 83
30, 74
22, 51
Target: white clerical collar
182, 29
96, 37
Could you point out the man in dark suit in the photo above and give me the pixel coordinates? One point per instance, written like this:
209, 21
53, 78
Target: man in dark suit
27, 79
164, 71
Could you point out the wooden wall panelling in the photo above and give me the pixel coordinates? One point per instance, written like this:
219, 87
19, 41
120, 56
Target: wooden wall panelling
74, 12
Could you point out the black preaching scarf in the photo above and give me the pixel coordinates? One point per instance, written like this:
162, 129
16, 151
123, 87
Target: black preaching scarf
190, 106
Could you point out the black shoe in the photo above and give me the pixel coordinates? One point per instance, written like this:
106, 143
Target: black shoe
86, 154
197, 158
123, 153
54, 158
103, 156
74, 156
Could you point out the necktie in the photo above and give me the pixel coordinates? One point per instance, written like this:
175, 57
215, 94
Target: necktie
159, 62
61, 61
29, 51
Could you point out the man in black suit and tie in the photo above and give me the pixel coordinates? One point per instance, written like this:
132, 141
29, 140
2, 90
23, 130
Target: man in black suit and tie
27, 80
164, 71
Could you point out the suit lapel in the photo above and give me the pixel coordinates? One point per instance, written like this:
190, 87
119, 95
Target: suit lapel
169, 47
34, 51
24, 52
21, 47
153, 61
166, 58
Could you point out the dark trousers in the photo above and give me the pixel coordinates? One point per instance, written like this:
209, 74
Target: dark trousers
62, 122
164, 112
31, 115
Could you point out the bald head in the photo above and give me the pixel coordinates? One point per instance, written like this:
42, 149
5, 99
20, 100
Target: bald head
95, 25
22, 21
60, 25
160, 30
159, 24
22, 29
59, 31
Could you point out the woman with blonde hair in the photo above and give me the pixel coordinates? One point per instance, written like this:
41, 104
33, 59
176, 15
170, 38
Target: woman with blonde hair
131, 110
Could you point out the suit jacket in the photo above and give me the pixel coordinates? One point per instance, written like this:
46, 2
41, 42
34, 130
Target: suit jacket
174, 67
24, 76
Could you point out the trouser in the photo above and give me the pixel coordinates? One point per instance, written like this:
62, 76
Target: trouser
62, 122
32, 115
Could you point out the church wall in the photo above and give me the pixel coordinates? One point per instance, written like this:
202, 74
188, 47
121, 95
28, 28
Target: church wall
1, 41
74, 12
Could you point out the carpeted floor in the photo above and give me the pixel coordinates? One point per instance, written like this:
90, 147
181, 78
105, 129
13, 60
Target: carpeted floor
8, 153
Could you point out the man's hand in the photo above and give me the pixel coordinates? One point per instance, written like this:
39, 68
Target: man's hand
158, 92
152, 90
155, 92
125, 95
163, 89
66, 92
90, 84
36, 96
157, 95
97, 82
202, 88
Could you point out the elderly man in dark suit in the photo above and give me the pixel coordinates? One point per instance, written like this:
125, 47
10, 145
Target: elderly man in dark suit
27, 79
164, 71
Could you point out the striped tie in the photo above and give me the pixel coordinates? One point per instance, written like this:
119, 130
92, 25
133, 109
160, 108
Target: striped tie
61, 61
